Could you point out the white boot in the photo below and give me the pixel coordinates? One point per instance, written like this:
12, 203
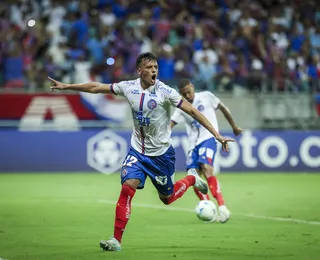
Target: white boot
224, 213
110, 245
200, 184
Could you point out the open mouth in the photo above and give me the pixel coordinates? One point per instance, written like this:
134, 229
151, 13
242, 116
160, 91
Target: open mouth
153, 78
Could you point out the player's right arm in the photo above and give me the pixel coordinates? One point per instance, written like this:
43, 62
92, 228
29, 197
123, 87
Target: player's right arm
176, 118
90, 87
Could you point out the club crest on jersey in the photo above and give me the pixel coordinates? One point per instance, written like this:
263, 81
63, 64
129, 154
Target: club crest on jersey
200, 108
152, 104
124, 172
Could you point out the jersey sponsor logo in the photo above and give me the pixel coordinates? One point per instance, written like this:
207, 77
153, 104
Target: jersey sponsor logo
152, 104
200, 108
165, 89
135, 92
143, 121
129, 82
152, 94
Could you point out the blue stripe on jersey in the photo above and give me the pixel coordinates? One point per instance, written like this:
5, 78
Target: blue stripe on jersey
141, 102
180, 103
141, 128
142, 140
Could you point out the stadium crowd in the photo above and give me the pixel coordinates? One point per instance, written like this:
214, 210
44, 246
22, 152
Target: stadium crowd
220, 44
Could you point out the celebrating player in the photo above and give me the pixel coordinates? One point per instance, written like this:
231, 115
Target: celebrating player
202, 146
151, 153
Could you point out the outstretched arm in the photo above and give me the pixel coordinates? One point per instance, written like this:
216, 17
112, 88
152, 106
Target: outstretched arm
192, 111
227, 114
90, 87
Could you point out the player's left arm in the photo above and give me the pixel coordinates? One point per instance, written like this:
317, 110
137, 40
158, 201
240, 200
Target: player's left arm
227, 114
195, 114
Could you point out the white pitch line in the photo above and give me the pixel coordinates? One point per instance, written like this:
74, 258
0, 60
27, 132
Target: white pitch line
170, 208
285, 219
150, 206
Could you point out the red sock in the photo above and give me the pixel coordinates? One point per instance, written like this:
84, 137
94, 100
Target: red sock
123, 210
200, 195
214, 187
180, 187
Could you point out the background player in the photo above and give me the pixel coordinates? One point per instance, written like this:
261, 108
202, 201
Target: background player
151, 153
202, 146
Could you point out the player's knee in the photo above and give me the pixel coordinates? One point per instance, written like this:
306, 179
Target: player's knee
207, 170
165, 201
133, 183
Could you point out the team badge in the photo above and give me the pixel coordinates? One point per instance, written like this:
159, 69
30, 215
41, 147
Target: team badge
200, 108
152, 104
124, 172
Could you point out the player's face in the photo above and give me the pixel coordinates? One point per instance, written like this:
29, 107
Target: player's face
148, 72
187, 92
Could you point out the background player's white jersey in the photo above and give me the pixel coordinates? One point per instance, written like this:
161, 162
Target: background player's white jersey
206, 103
151, 112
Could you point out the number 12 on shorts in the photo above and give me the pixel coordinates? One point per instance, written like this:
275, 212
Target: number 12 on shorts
130, 159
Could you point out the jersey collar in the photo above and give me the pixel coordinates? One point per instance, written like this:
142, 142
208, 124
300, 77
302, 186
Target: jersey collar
151, 89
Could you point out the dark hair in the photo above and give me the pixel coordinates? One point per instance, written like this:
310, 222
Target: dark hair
145, 56
183, 83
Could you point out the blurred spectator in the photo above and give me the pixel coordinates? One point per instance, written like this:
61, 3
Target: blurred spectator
13, 67
219, 43
224, 75
184, 67
206, 74
206, 51
107, 17
166, 63
315, 40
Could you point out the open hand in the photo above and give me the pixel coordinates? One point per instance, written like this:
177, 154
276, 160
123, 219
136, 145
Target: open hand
56, 84
237, 130
224, 141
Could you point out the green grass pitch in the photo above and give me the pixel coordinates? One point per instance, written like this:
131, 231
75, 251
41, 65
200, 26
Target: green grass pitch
64, 216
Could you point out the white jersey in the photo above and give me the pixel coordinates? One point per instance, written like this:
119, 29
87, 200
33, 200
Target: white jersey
206, 103
151, 112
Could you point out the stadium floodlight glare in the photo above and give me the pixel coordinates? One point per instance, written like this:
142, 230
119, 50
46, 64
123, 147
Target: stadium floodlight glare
31, 23
110, 61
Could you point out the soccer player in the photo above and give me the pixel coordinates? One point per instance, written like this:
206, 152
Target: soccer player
151, 153
202, 146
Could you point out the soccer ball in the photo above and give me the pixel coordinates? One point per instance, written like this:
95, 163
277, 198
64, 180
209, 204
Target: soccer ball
206, 210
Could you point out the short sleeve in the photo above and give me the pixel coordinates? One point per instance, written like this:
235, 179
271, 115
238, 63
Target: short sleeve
214, 100
171, 95
177, 116
119, 88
